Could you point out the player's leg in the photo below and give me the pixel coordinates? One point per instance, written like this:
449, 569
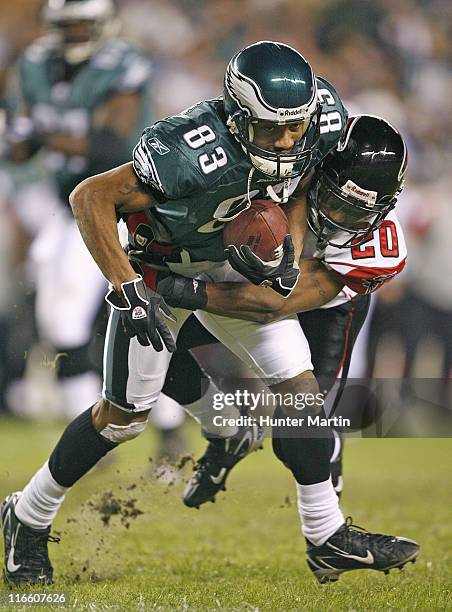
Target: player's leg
133, 378
309, 461
348, 547
279, 354
70, 292
331, 334
219, 458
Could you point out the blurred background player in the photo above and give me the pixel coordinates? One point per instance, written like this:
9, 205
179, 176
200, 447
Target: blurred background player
85, 100
16, 32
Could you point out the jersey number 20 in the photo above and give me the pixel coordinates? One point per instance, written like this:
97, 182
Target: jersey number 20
389, 244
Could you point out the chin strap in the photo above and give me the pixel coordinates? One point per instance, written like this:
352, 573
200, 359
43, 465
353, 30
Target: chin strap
248, 184
285, 192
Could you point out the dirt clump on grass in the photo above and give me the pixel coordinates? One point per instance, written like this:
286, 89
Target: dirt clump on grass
110, 505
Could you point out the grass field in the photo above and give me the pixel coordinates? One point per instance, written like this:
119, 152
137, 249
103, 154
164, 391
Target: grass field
245, 552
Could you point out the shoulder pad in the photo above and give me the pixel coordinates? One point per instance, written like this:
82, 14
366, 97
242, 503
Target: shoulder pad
159, 162
369, 265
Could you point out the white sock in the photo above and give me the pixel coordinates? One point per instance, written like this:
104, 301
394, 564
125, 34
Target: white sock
40, 500
318, 507
203, 412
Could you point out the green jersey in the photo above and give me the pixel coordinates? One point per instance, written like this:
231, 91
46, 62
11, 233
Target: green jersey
201, 176
64, 100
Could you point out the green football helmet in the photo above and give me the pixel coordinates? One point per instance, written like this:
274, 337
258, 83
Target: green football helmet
272, 82
97, 16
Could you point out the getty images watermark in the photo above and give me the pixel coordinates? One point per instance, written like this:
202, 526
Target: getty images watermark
371, 408
248, 402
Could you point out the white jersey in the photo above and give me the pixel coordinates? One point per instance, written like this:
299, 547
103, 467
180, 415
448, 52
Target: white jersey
367, 266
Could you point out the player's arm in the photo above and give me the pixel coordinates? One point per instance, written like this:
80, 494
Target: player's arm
316, 286
296, 213
96, 202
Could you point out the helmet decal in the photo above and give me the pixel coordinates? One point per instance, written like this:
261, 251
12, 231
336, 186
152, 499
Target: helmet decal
242, 89
368, 197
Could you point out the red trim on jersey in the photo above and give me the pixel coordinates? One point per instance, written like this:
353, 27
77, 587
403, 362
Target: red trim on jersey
133, 220
365, 280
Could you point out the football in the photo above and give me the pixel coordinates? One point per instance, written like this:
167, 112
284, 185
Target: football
262, 227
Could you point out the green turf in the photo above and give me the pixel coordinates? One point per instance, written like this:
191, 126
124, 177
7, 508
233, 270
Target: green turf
245, 552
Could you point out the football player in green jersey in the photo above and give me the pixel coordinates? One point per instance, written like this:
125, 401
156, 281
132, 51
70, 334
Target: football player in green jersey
191, 173
84, 104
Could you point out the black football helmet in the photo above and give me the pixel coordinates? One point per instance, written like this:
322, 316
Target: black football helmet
99, 17
357, 184
270, 81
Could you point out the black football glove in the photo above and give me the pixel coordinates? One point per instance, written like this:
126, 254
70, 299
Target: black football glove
143, 314
282, 276
182, 292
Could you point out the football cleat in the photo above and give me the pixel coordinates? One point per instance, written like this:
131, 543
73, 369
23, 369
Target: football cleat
353, 548
221, 455
26, 556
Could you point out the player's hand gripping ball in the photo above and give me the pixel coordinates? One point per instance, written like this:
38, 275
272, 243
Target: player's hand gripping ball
262, 227
260, 248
